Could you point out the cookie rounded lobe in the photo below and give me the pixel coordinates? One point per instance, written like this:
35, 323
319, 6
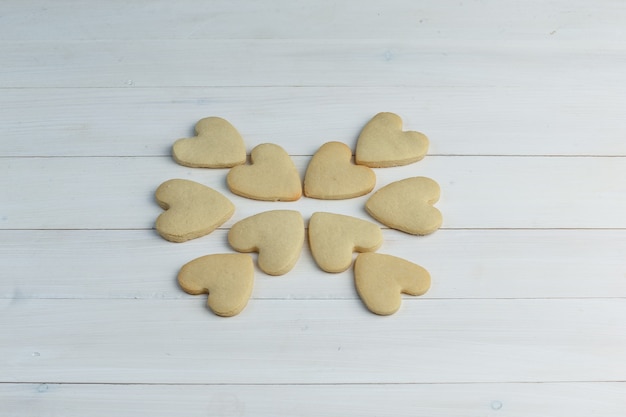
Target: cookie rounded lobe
191, 209
333, 238
277, 235
381, 279
382, 143
217, 144
331, 175
271, 176
228, 280
407, 205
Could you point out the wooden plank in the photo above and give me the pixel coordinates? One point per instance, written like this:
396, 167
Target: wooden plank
477, 192
138, 264
519, 322
222, 19
197, 63
312, 341
459, 120
439, 400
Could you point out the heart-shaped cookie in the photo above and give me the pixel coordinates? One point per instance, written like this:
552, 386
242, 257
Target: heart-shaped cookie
217, 145
271, 176
276, 235
407, 205
381, 279
331, 175
192, 210
334, 237
382, 143
228, 278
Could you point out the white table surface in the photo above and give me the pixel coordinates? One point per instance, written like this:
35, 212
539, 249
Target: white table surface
525, 106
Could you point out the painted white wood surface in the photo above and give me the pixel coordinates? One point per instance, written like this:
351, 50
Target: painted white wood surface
439, 400
524, 103
477, 192
489, 20
186, 63
312, 341
488, 120
466, 263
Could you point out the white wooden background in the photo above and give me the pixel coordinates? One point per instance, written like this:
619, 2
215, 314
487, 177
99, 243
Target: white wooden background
525, 105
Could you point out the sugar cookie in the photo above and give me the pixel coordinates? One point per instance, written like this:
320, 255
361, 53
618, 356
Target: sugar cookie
217, 144
271, 176
192, 210
382, 143
331, 175
407, 205
334, 237
380, 280
228, 279
276, 235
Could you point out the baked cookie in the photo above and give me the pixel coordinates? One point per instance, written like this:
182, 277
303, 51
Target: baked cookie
217, 144
276, 235
192, 210
271, 176
382, 143
381, 279
331, 175
334, 237
228, 279
407, 205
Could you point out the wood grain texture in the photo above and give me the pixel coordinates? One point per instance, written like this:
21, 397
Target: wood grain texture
312, 341
186, 63
524, 103
428, 400
487, 120
323, 19
118, 193
137, 264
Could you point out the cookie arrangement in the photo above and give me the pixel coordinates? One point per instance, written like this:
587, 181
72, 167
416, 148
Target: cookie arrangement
193, 210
